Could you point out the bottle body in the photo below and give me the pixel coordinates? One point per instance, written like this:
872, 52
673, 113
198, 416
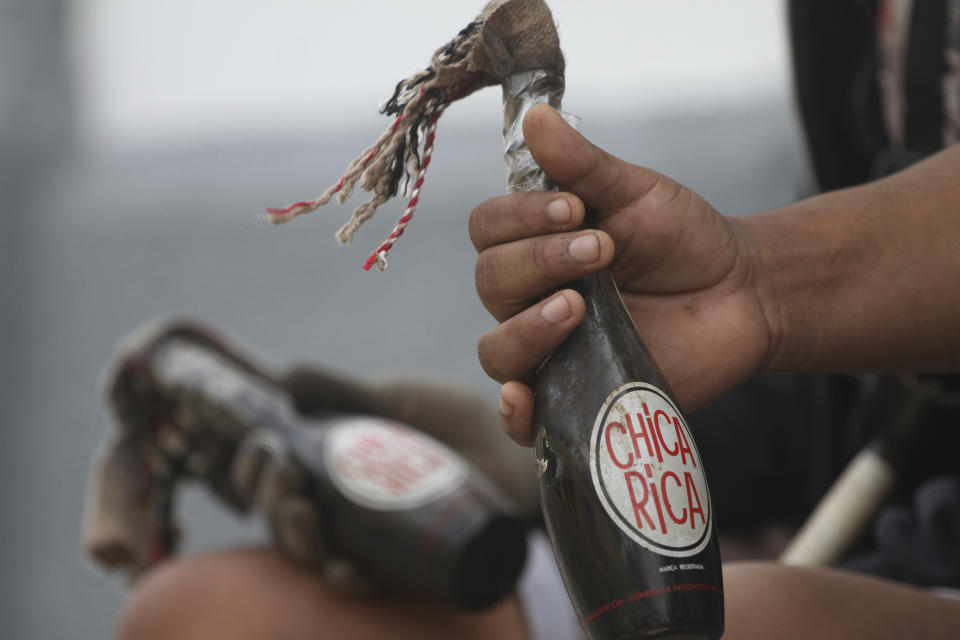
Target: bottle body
410, 512
622, 486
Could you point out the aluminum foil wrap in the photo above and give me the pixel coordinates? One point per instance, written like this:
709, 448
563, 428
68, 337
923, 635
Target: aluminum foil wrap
520, 92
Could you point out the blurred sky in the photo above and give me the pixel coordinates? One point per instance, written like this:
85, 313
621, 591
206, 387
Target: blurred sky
207, 70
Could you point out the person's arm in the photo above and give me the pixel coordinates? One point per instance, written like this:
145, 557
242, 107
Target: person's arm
861, 279
866, 278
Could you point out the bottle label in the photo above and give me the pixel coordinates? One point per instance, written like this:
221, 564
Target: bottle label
385, 466
647, 471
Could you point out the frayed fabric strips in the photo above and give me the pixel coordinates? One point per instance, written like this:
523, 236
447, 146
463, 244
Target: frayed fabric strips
509, 39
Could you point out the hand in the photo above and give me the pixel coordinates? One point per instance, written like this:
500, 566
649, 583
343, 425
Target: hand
454, 415
130, 512
686, 273
264, 474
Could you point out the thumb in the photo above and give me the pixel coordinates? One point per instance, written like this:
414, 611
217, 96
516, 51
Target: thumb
601, 180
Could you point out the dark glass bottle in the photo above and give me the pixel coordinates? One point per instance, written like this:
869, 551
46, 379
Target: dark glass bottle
410, 513
622, 486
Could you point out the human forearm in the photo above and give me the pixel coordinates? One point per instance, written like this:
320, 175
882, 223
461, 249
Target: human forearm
866, 278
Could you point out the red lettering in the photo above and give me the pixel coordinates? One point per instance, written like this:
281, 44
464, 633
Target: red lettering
691, 497
397, 463
639, 506
370, 440
656, 441
629, 462
666, 500
398, 484
404, 470
656, 422
362, 467
637, 436
656, 500
683, 443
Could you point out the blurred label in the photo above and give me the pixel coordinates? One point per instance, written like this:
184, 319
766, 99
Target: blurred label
384, 466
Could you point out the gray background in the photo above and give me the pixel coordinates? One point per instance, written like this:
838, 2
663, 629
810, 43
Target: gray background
95, 244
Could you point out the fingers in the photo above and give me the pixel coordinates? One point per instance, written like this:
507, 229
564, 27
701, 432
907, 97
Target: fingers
523, 215
249, 463
513, 349
510, 276
296, 527
295, 524
315, 390
265, 475
528, 247
516, 412
602, 181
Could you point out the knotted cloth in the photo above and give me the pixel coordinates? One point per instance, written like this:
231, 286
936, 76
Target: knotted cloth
510, 39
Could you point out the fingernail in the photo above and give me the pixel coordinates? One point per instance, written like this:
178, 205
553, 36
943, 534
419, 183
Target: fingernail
559, 211
506, 409
585, 248
557, 310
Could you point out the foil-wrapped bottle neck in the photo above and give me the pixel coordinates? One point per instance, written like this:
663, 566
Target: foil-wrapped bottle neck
520, 92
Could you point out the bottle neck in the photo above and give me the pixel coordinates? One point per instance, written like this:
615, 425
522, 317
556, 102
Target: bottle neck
599, 289
609, 328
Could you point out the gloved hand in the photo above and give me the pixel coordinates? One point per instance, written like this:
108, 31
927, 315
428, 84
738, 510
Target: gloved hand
453, 414
129, 520
266, 476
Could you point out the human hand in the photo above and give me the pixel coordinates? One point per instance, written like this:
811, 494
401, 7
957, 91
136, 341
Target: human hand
168, 431
455, 415
266, 475
686, 273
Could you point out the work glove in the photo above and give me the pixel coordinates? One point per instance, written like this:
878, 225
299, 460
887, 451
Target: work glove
129, 520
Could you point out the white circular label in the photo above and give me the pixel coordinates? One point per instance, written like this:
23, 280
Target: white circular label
647, 471
385, 466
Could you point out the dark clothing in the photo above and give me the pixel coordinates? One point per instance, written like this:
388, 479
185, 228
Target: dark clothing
878, 88
877, 82
835, 62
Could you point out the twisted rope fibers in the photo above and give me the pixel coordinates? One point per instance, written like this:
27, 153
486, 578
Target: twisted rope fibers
397, 162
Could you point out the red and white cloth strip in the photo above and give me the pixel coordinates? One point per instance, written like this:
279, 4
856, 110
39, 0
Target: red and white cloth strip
397, 162
382, 150
380, 255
